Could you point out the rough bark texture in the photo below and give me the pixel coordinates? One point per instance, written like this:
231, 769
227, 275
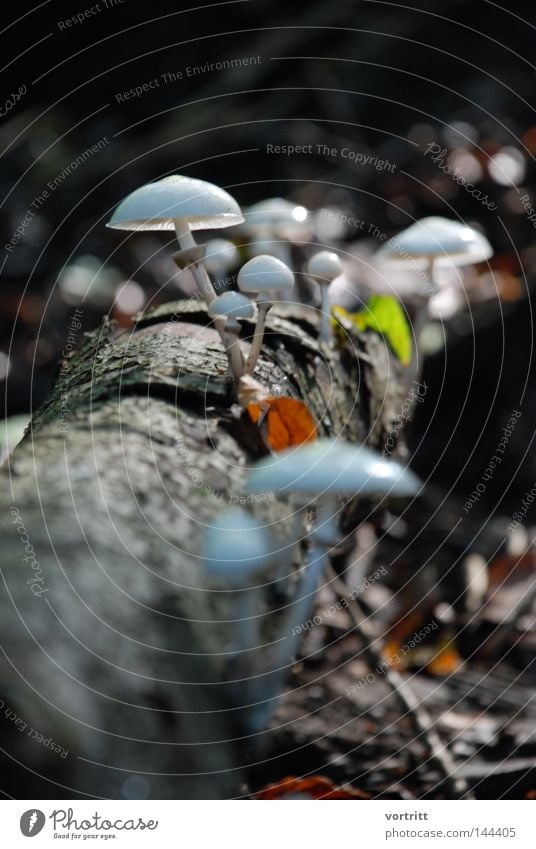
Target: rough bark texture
119, 651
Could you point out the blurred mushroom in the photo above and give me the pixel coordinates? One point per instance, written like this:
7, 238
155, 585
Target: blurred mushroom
272, 224
221, 256
429, 244
434, 242
237, 551
88, 280
329, 469
324, 267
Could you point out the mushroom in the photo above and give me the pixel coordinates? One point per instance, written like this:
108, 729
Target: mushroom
240, 556
237, 552
232, 306
221, 255
275, 222
261, 275
182, 204
432, 243
271, 225
437, 241
329, 469
324, 267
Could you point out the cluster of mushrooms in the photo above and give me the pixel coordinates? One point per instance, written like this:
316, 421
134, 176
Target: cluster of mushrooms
239, 554
185, 204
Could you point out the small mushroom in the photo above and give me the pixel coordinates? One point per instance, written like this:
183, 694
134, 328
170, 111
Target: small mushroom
261, 275
272, 225
432, 243
232, 306
237, 554
324, 267
437, 241
277, 221
182, 204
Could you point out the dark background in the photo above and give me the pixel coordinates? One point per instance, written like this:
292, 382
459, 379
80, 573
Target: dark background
383, 78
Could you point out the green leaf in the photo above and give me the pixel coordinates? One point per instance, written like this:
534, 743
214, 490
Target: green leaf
384, 314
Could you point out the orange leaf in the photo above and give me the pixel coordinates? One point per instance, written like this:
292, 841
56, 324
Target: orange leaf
445, 662
288, 421
314, 787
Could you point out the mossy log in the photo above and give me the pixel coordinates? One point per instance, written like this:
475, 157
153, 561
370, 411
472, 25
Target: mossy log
120, 675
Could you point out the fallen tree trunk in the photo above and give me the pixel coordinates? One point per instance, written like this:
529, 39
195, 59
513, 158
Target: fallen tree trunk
120, 671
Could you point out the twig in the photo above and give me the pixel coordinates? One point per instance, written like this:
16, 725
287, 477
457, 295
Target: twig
418, 715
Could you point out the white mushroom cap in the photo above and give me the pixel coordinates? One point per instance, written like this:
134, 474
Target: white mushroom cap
236, 548
220, 255
156, 206
324, 267
448, 242
265, 273
334, 467
231, 305
282, 218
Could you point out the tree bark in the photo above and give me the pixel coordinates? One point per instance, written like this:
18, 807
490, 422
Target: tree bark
115, 647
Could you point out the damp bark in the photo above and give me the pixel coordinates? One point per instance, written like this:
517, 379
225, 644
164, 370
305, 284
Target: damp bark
116, 649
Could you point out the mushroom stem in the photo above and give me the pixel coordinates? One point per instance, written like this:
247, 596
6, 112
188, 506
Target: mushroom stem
326, 531
231, 342
325, 330
186, 240
245, 611
421, 316
256, 344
